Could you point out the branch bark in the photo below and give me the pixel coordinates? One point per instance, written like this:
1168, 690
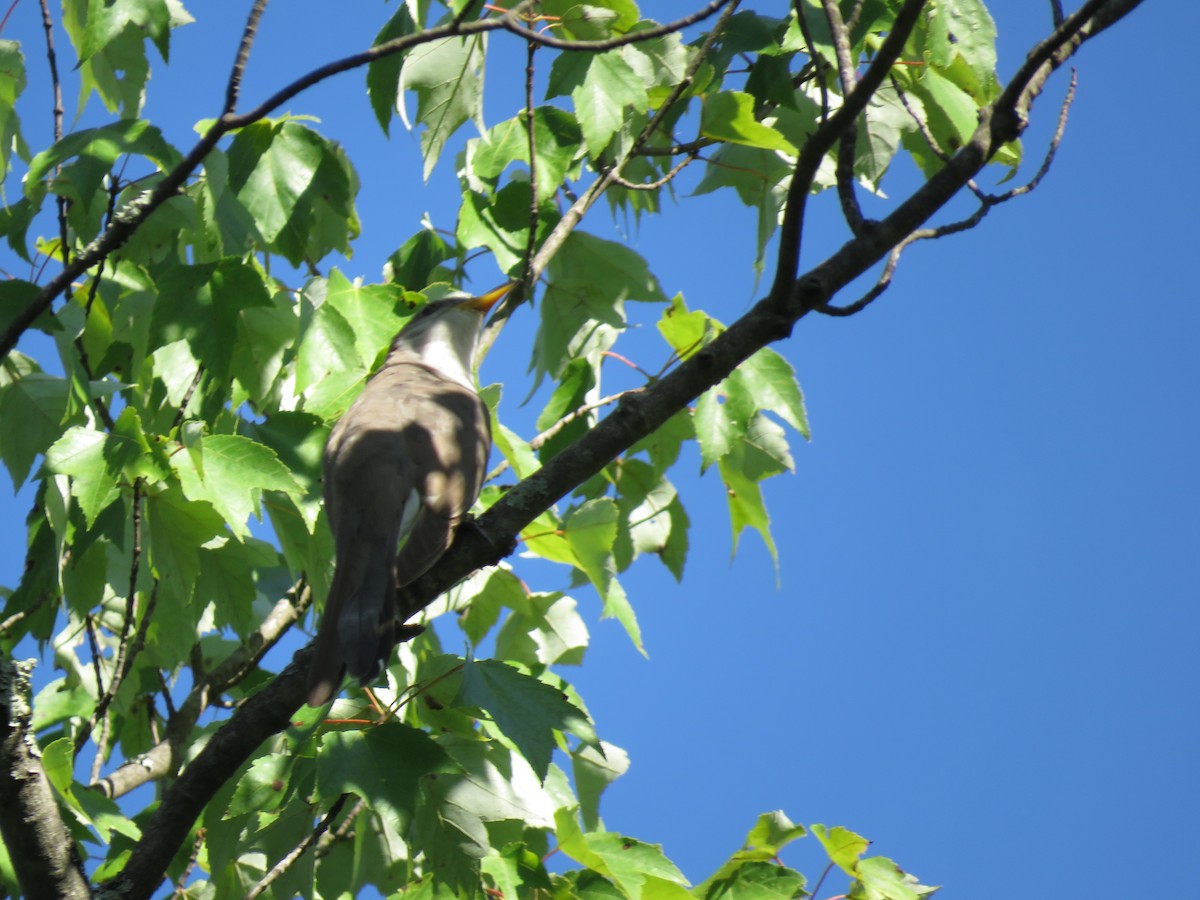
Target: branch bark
38, 843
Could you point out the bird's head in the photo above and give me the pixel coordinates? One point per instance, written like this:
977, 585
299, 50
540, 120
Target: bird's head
443, 334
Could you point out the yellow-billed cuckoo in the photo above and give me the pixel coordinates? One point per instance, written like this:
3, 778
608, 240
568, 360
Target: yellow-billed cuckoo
405, 462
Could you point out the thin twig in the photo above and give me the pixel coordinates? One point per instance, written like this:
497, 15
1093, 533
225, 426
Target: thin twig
531, 139
187, 398
119, 660
197, 845
655, 185
559, 425
56, 93
296, 852
986, 203
820, 64
234, 86
821, 880
815, 148
844, 171
325, 844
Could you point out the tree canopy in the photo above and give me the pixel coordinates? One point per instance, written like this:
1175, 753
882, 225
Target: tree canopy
205, 329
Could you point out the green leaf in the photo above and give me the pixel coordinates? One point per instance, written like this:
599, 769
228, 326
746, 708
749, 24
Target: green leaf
58, 701
84, 455
447, 77
12, 65
227, 577
383, 75
58, 762
178, 527
964, 30
104, 814
589, 281
950, 112
729, 116
298, 187
526, 710
500, 223
496, 785
203, 306
263, 787
107, 20
772, 832
370, 310
546, 629
770, 381
231, 472
266, 336
384, 765
754, 880
39, 402
327, 358
591, 532
595, 768
634, 866
842, 845
653, 520
418, 262
602, 85
760, 455
99, 148
661, 63
271, 166
878, 878
595, 20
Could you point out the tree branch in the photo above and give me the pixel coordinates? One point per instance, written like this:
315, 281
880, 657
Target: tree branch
164, 758
38, 843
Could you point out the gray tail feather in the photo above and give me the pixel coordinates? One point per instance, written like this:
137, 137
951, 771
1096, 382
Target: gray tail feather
366, 622
356, 633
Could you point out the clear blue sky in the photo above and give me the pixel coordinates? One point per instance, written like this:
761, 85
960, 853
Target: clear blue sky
981, 652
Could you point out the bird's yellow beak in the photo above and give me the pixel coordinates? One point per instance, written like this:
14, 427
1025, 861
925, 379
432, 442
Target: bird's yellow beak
486, 301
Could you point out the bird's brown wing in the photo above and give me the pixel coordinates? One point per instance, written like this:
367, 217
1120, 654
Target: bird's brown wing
458, 434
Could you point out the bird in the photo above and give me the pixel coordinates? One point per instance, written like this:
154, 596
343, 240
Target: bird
404, 463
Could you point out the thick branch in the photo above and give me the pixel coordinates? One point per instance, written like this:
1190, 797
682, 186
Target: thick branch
38, 843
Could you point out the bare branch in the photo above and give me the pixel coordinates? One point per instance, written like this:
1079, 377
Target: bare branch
527, 276
38, 843
234, 87
815, 148
540, 439
296, 852
655, 185
121, 664
986, 202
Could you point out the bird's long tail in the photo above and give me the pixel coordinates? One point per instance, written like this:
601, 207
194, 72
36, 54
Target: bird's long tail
356, 630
